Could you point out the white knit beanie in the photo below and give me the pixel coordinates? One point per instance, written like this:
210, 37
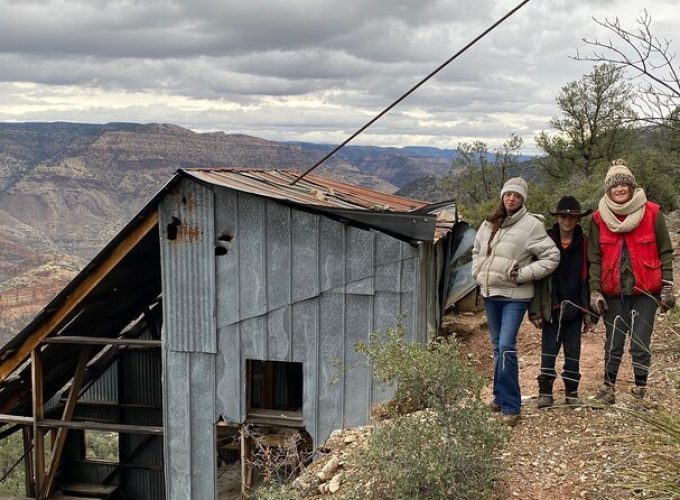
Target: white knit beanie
617, 174
516, 185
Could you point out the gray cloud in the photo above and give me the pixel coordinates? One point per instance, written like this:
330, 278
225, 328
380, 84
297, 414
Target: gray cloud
295, 69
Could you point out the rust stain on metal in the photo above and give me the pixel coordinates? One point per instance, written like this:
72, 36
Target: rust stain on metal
187, 232
188, 202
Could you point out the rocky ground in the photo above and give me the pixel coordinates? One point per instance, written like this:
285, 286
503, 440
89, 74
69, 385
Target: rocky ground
558, 453
564, 453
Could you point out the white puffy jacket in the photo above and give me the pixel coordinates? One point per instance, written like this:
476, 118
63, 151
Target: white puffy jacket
521, 243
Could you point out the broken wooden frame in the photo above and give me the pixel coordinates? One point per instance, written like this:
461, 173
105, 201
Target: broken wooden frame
36, 427
265, 432
41, 470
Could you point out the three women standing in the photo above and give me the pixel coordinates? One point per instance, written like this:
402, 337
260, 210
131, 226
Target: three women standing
511, 250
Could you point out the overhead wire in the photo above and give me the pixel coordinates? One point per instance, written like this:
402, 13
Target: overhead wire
411, 90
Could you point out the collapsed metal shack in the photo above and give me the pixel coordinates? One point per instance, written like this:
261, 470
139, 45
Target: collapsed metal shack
232, 298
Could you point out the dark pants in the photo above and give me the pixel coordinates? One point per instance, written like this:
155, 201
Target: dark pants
633, 315
553, 336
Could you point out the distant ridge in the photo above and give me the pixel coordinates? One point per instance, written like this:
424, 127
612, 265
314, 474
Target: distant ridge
66, 188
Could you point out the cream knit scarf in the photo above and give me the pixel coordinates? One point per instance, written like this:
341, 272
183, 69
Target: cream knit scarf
633, 209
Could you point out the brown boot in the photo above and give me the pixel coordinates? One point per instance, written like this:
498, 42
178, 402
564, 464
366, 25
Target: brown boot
638, 391
572, 399
493, 406
510, 420
606, 395
545, 391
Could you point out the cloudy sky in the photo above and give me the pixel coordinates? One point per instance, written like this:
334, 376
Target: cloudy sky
303, 70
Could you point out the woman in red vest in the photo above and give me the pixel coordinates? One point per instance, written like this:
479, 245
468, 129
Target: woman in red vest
631, 272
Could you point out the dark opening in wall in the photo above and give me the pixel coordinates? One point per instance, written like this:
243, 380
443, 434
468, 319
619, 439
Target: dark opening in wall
171, 229
274, 385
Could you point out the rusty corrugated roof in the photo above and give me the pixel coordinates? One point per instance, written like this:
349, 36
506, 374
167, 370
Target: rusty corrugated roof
317, 191
312, 190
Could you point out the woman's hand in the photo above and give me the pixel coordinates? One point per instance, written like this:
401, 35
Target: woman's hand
597, 302
667, 298
536, 320
514, 273
588, 323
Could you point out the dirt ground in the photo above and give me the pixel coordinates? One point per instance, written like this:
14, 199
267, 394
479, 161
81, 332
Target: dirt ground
564, 453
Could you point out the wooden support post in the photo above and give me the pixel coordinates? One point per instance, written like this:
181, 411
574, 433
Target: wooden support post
246, 462
28, 462
69, 409
38, 414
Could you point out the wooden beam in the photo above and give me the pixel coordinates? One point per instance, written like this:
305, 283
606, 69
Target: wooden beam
38, 414
16, 419
246, 466
69, 408
117, 341
102, 426
28, 463
112, 404
89, 490
95, 277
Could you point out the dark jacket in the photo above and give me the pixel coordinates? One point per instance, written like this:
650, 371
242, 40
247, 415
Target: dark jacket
568, 283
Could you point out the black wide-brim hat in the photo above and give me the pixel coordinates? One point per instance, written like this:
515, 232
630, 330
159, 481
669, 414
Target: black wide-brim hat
568, 205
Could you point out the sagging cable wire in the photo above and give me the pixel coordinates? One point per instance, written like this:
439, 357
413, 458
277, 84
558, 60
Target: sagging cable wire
411, 90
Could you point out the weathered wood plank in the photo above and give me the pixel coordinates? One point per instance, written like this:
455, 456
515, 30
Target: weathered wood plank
74, 339
101, 426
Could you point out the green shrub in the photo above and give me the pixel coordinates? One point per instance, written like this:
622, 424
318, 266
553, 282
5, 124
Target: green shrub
11, 451
447, 449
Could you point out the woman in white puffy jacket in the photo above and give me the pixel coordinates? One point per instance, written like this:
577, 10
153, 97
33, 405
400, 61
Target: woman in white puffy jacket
511, 250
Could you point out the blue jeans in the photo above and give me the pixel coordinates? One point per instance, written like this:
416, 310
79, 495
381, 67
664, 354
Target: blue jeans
504, 318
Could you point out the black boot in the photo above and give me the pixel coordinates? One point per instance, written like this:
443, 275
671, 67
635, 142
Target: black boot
572, 399
607, 394
640, 388
545, 389
571, 390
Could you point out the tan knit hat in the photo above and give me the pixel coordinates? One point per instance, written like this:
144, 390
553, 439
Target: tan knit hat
516, 185
617, 174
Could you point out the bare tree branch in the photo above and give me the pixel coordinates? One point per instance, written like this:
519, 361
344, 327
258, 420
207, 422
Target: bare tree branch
648, 60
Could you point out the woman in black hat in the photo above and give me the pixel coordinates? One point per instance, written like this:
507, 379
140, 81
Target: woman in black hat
560, 302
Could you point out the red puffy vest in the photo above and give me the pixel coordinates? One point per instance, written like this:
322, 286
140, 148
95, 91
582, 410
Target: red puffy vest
643, 252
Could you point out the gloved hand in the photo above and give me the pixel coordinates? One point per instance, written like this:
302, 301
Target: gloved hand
536, 320
589, 323
667, 298
597, 302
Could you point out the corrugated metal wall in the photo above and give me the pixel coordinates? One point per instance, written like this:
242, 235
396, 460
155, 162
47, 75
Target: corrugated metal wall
141, 399
190, 341
292, 286
134, 383
188, 268
301, 287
